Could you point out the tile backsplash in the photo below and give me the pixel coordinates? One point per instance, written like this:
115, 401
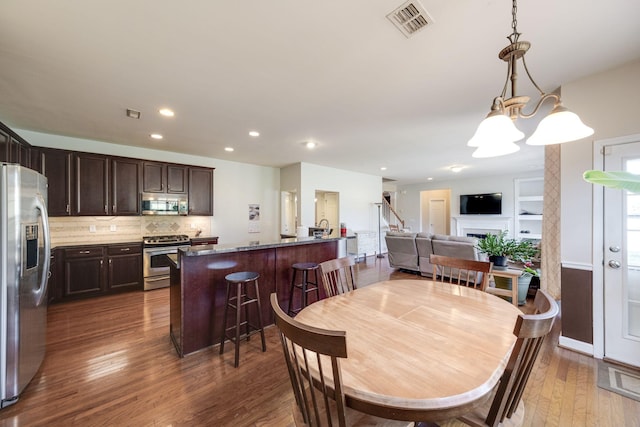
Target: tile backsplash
79, 230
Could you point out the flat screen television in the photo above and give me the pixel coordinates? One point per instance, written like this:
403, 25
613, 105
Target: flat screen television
481, 204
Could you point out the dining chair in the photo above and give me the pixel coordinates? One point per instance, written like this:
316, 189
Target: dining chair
319, 398
461, 271
506, 407
337, 276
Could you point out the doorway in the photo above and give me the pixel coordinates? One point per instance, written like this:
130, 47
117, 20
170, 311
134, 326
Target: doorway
289, 216
327, 207
621, 238
435, 215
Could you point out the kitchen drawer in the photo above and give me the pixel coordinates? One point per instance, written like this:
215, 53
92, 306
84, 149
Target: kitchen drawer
124, 249
84, 252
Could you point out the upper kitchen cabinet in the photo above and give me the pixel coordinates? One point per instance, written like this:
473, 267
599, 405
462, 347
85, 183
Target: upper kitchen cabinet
91, 184
164, 178
125, 186
56, 166
106, 185
13, 149
200, 191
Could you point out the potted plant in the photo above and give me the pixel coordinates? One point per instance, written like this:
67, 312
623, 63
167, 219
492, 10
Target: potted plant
502, 249
498, 247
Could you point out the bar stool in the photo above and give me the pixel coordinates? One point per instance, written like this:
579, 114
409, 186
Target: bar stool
241, 299
305, 286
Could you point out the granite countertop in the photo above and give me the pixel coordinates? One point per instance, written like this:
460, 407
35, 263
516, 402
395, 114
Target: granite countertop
250, 246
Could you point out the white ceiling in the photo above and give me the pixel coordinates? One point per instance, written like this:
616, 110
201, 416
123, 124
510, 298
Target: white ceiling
334, 72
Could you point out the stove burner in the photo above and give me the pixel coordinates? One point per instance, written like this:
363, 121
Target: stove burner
168, 240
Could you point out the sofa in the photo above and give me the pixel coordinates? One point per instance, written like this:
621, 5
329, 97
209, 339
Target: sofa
411, 251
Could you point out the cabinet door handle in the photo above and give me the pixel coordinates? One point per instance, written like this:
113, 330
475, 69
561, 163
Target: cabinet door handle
101, 263
110, 261
85, 252
67, 208
114, 208
105, 209
125, 249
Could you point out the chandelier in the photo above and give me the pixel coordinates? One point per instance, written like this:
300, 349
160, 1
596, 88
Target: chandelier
496, 135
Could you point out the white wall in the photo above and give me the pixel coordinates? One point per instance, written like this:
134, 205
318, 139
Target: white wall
358, 193
409, 195
609, 102
236, 185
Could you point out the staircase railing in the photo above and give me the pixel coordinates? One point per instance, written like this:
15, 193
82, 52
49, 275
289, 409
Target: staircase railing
391, 216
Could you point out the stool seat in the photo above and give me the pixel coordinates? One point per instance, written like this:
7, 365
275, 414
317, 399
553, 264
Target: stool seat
305, 266
240, 280
242, 276
305, 286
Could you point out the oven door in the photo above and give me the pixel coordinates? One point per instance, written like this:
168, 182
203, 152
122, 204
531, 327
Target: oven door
156, 267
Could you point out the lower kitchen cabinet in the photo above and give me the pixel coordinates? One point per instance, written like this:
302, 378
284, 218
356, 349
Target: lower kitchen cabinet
125, 267
97, 270
84, 271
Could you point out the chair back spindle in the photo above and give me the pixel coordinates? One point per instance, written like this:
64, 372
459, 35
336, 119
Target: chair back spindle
338, 276
461, 271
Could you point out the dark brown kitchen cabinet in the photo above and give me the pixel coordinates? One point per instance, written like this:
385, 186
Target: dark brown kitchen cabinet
124, 267
96, 270
200, 191
125, 186
54, 287
106, 185
160, 177
84, 271
13, 149
5, 139
56, 165
91, 184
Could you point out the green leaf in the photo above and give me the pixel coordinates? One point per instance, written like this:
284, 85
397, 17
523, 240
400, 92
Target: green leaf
621, 180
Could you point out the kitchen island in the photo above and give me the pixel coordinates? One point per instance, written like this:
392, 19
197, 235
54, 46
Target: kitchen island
197, 290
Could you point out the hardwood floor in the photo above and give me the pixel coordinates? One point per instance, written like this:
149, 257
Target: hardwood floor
110, 362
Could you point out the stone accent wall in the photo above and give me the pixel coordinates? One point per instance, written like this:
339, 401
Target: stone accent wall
551, 262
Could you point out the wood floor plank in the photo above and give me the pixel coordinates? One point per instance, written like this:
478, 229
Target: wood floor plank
110, 362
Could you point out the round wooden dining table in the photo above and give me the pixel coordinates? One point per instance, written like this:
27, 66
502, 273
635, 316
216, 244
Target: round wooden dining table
418, 350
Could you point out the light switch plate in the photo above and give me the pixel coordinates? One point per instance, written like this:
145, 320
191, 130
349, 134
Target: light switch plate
92, 228
112, 227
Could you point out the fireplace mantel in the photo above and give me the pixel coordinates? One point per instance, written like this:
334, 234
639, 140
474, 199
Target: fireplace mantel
482, 224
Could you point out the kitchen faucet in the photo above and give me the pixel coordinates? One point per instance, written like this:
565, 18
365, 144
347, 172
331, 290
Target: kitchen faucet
326, 227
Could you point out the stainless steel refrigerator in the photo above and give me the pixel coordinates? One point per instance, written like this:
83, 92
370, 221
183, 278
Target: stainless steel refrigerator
24, 268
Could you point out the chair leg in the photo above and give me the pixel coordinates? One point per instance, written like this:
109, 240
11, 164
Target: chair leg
260, 324
304, 289
293, 285
238, 311
224, 320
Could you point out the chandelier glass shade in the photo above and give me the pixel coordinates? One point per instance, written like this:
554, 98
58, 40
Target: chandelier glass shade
497, 133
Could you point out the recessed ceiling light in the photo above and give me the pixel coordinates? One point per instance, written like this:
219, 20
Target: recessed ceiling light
254, 133
430, 179
383, 168
229, 149
156, 136
310, 145
166, 112
455, 169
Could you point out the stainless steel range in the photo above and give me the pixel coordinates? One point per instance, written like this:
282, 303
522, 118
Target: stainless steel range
156, 264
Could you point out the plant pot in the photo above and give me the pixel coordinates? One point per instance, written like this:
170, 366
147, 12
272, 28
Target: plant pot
523, 286
499, 261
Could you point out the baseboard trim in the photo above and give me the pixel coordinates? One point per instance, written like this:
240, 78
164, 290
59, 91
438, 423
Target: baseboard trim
575, 345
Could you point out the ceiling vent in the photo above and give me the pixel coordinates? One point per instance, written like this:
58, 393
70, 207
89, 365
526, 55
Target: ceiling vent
410, 18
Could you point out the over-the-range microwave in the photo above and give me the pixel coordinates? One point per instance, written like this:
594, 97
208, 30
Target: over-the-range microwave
164, 204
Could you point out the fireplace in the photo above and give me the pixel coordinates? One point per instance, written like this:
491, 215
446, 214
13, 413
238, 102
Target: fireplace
480, 226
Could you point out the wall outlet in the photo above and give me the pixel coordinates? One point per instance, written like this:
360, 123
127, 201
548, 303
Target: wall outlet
193, 226
112, 227
92, 228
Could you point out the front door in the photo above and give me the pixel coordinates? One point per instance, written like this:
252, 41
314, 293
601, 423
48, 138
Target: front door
622, 260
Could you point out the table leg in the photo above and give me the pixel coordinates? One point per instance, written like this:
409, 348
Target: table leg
514, 291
